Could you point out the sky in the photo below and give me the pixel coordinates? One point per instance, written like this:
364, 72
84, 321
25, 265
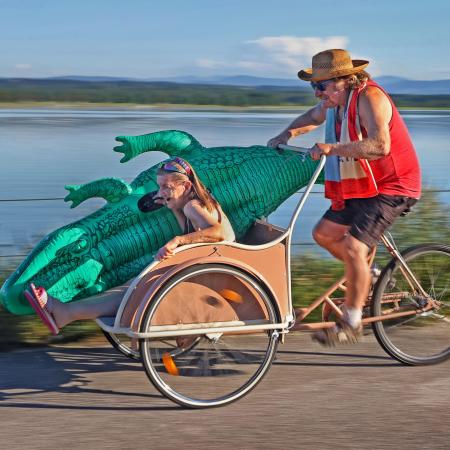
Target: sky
168, 38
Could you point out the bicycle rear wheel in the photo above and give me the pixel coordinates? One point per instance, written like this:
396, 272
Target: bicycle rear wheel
222, 366
123, 344
422, 335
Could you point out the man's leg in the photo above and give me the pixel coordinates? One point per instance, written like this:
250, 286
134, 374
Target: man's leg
336, 238
357, 273
330, 236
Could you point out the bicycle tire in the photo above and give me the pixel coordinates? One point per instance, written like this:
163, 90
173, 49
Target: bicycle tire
220, 369
121, 347
126, 350
421, 338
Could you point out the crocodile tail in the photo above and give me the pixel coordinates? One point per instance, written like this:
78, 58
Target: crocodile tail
171, 142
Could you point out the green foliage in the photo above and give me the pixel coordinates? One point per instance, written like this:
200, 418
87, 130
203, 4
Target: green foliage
22, 331
429, 221
311, 276
151, 93
424, 101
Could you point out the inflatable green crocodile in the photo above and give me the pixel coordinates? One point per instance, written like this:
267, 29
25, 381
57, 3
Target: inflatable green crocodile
116, 242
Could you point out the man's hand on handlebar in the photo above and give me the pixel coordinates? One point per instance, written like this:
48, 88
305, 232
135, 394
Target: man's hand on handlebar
320, 149
282, 138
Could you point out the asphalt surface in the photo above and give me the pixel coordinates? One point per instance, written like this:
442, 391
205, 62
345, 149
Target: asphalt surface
353, 397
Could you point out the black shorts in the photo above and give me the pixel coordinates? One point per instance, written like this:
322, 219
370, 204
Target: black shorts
368, 218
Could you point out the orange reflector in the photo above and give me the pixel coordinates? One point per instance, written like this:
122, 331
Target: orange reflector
231, 296
169, 364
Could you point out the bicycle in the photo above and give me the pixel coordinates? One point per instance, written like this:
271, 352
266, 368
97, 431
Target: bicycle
206, 323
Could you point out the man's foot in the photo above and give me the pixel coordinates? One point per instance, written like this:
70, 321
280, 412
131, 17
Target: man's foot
341, 334
38, 299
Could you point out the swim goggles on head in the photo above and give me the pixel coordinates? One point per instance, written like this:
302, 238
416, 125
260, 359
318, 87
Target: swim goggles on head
177, 165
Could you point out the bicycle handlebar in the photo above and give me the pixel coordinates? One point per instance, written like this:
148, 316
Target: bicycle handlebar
293, 148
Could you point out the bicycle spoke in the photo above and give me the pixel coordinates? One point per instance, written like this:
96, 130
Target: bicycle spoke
422, 338
220, 367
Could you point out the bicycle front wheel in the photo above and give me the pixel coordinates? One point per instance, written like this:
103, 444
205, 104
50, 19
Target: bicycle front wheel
220, 367
418, 335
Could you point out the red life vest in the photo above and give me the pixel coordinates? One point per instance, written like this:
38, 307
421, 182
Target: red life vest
346, 177
397, 173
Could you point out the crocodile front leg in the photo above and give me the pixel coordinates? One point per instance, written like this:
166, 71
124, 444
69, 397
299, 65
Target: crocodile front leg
111, 189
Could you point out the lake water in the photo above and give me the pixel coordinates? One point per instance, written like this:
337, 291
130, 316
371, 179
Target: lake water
44, 149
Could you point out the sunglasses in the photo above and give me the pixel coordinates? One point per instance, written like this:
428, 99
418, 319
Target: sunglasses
321, 85
176, 165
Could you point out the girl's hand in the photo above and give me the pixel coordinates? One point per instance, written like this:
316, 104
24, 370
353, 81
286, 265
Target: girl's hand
167, 250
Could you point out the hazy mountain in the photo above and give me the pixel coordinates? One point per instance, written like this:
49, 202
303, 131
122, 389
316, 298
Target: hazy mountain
91, 78
398, 85
237, 80
393, 84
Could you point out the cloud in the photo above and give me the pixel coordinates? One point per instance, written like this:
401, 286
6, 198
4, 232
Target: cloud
292, 52
23, 66
254, 65
276, 54
207, 63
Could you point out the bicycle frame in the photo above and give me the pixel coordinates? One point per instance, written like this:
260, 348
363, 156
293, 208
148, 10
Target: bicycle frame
332, 303
412, 281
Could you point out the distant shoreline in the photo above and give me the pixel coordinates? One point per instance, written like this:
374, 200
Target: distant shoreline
173, 107
54, 93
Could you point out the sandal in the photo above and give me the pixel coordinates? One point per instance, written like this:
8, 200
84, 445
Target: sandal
37, 298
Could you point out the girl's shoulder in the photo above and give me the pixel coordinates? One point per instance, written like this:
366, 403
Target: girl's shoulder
193, 205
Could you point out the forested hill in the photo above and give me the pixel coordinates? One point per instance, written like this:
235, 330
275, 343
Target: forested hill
148, 93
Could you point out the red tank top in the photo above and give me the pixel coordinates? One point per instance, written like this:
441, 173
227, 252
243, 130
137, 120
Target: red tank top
397, 173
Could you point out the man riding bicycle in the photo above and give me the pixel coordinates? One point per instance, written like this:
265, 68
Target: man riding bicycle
372, 174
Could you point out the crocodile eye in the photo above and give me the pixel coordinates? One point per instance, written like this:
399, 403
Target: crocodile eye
81, 245
76, 248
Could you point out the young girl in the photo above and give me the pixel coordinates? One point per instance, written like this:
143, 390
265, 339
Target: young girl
200, 217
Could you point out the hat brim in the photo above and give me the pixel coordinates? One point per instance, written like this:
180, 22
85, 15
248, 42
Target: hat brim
309, 75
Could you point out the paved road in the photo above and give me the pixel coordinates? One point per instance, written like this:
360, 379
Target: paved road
355, 398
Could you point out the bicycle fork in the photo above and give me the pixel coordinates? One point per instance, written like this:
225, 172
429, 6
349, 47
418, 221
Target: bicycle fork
409, 276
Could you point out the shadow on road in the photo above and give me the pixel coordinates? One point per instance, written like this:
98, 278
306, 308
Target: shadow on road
70, 377
331, 359
28, 375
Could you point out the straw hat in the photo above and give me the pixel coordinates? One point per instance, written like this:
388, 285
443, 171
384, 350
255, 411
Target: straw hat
332, 64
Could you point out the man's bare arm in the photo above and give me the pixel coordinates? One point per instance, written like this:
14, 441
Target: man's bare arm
375, 112
304, 123
307, 121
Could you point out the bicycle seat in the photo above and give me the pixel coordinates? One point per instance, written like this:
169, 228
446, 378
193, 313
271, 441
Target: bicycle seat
410, 202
